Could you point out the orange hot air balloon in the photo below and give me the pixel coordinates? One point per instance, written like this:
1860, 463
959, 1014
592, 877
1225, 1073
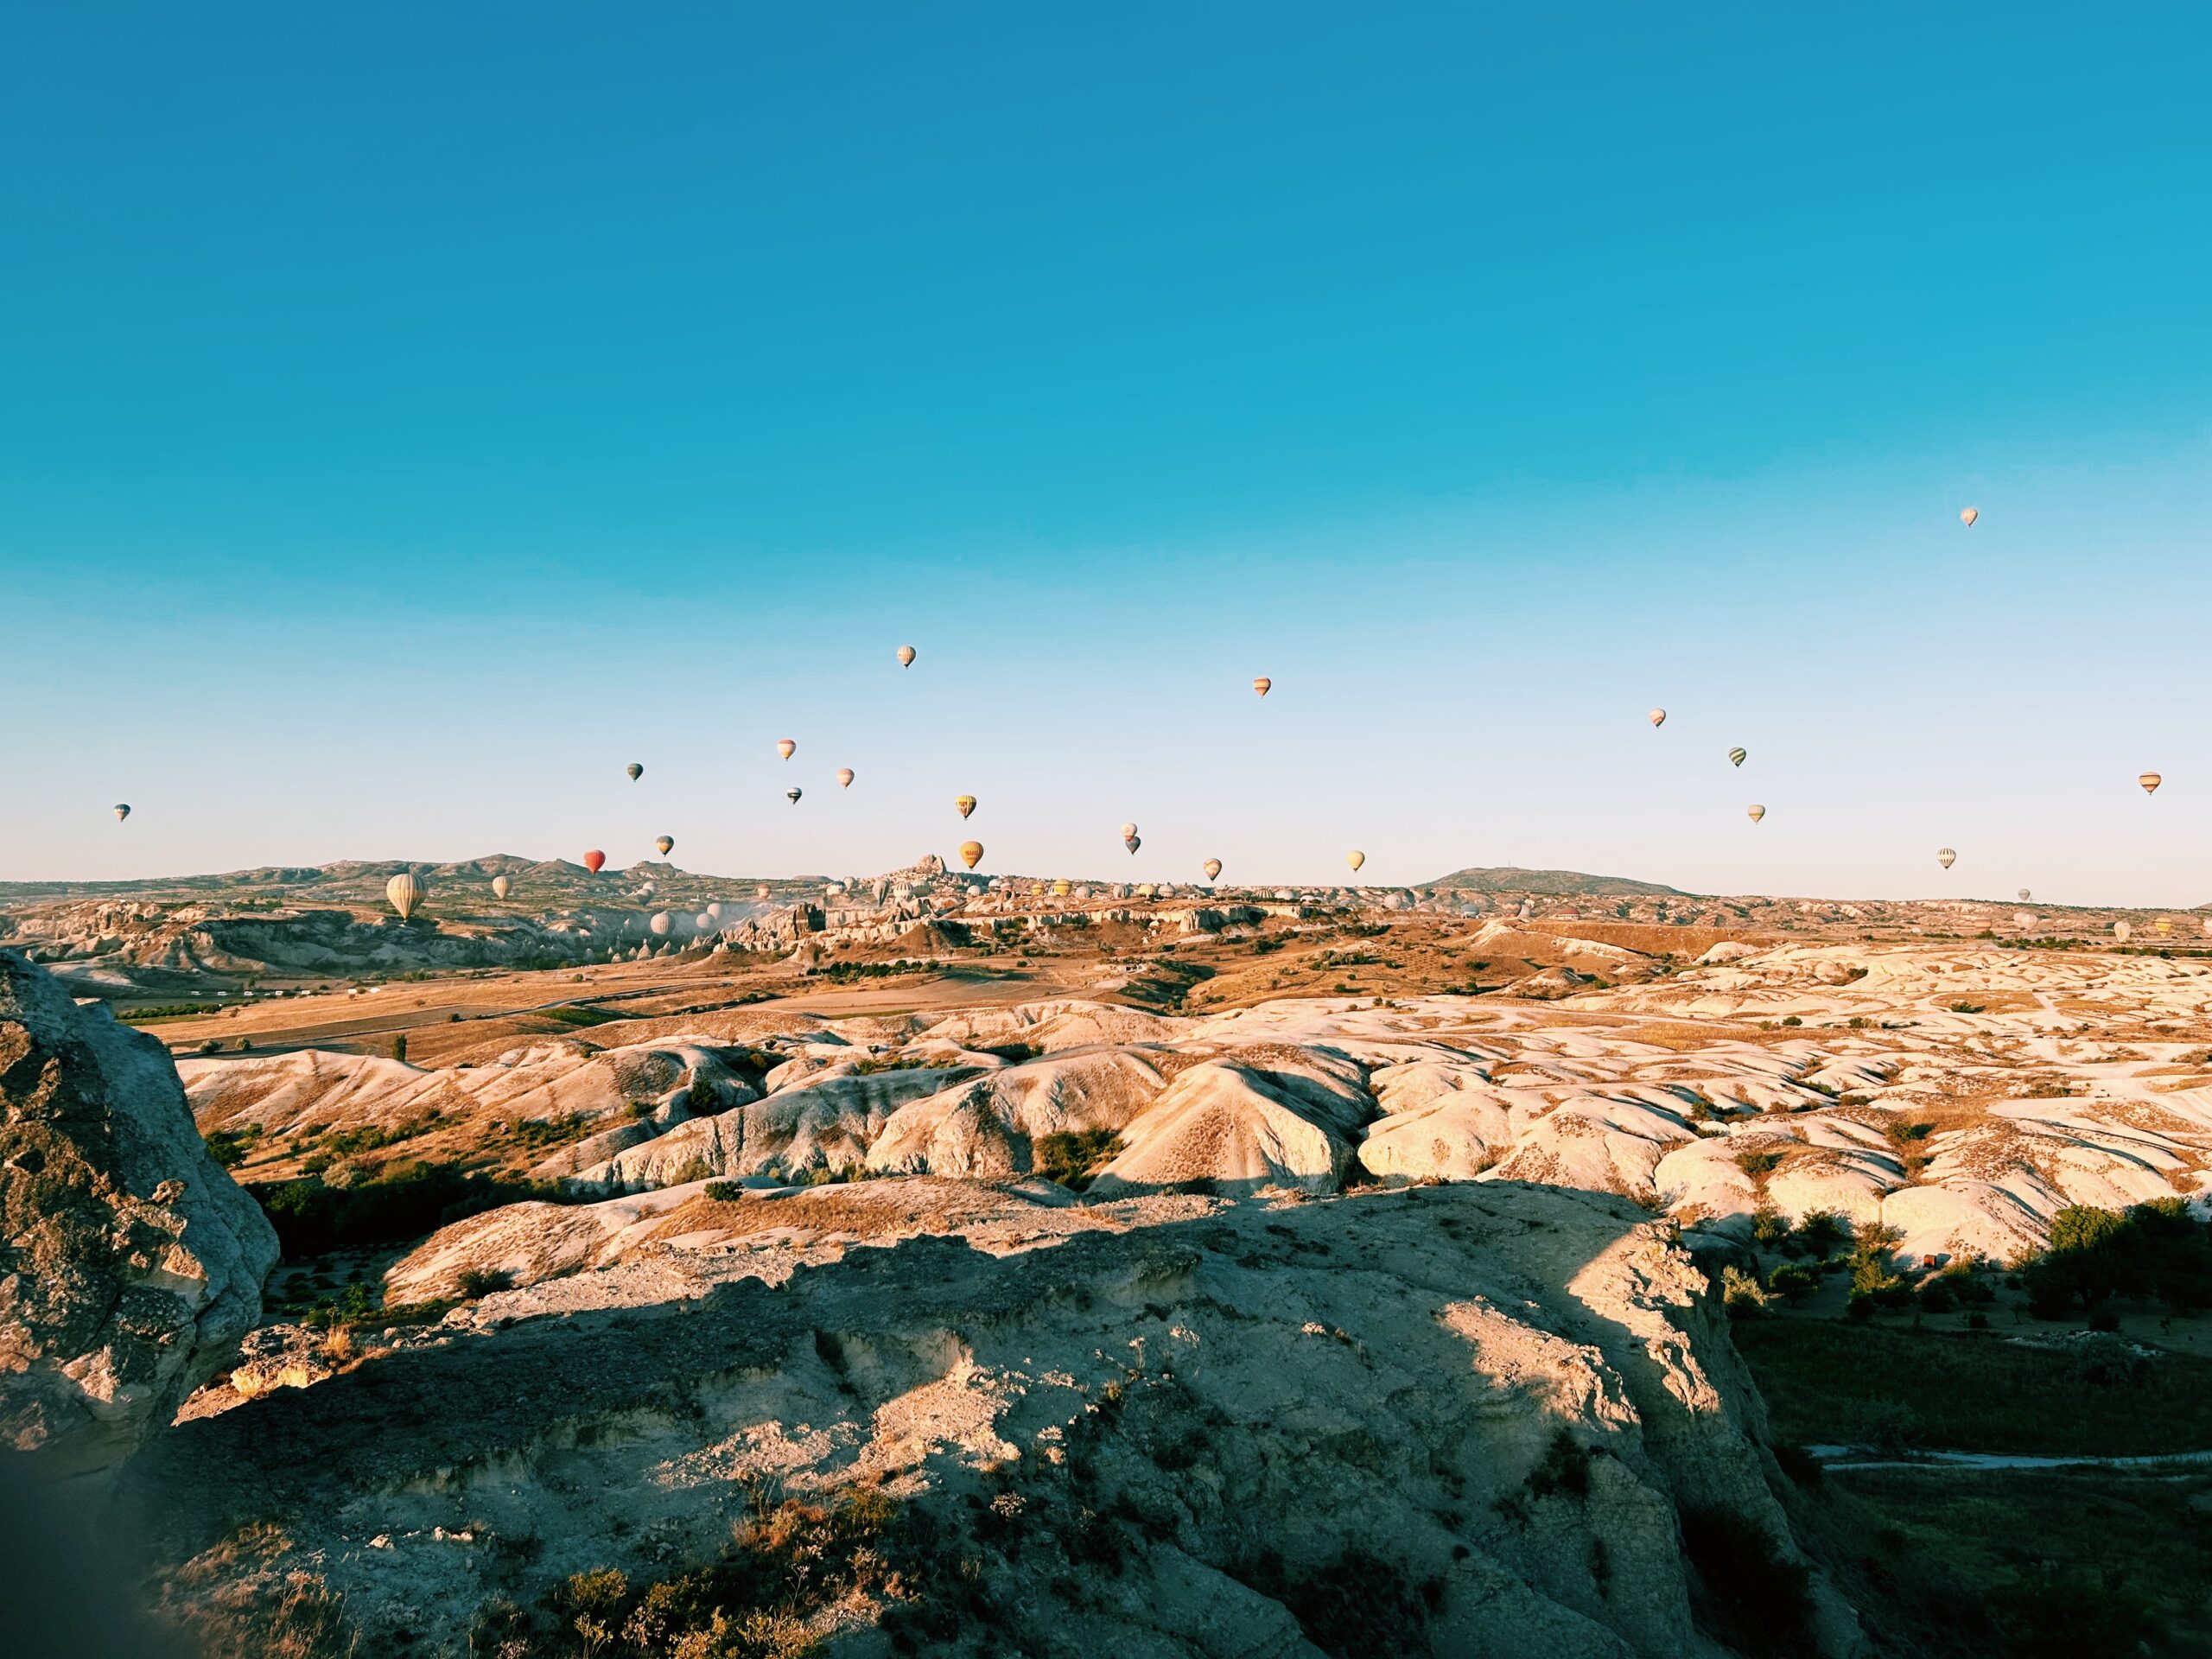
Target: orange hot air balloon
1261, 684
786, 747
667, 845
2149, 780
1969, 516
844, 777
965, 804
1212, 867
905, 655
595, 860
971, 853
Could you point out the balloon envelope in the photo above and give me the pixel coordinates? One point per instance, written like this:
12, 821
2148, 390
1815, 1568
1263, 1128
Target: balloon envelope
661, 922
501, 886
635, 771
1261, 684
1969, 516
667, 845
2149, 780
1658, 716
2121, 930
1737, 757
971, 853
1756, 812
403, 892
965, 804
1212, 867
1128, 830
786, 747
1132, 842
844, 777
595, 860
793, 793
1946, 858
905, 655
1355, 859
760, 892
122, 810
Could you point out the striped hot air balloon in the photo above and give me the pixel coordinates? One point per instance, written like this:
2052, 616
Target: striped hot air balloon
501, 886
1261, 684
1737, 757
786, 747
2149, 780
1756, 812
1947, 858
403, 893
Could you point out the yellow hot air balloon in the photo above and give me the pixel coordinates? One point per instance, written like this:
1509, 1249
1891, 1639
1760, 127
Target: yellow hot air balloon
1261, 684
501, 886
971, 853
1969, 516
1062, 889
844, 777
667, 845
1212, 867
1658, 716
1947, 858
905, 655
122, 810
1756, 812
2149, 780
1737, 757
635, 771
1355, 859
965, 804
403, 892
786, 747
2164, 924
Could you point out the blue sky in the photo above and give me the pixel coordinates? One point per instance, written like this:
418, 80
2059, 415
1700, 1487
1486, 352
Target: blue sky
411, 415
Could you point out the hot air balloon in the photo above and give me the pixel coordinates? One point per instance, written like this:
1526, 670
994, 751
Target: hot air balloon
786, 747
1737, 757
667, 844
2120, 931
760, 892
1128, 830
1212, 867
501, 886
1658, 716
1756, 812
595, 860
844, 777
1261, 684
703, 922
2164, 924
2021, 918
793, 793
662, 923
905, 655
122, 810
635, 771
2207, 926
1969, 516
1131, 842
971, 853
965, 804
403, 892
1062, 889
2149, 780
2025, 895
1947, 858
1355, 859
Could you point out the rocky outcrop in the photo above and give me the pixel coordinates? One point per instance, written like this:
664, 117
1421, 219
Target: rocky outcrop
1466, 1417
132, 1264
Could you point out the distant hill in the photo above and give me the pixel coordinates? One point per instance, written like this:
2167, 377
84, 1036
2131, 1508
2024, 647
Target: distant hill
1560, 883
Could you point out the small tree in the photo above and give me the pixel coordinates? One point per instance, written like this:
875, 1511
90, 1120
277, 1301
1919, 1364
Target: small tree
399, 1046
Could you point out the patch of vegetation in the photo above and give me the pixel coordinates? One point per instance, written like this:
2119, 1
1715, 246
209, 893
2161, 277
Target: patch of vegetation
402, 1203
231, 1148
348, 1143
542, 1134
580, 1015
2155, 1252
1073, 1157
1755, 1599
1971, 1391
171, 1011
847, 973
869, 1068
1759, 1163
1356, 1606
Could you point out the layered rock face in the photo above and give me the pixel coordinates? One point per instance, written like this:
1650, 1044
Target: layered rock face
1159, 1426
132, 1264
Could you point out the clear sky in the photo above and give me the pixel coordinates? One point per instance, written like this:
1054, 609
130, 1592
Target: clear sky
410, 414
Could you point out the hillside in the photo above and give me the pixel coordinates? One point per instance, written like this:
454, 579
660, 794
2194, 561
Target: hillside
1556, 884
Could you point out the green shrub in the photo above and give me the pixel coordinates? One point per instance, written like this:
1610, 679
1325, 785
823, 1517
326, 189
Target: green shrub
1742, 1294
1072, 1157
1792, 1281
725, 1191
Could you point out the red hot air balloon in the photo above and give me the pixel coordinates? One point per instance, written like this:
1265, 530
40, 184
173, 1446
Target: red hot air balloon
595, 860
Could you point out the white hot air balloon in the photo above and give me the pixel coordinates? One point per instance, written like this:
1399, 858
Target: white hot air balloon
1128, 829
662, 923
844, 777
501, 886
403, 892
2121, 930
1947, 858
1658, 716
1212, 867
1967, 515
905, 655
